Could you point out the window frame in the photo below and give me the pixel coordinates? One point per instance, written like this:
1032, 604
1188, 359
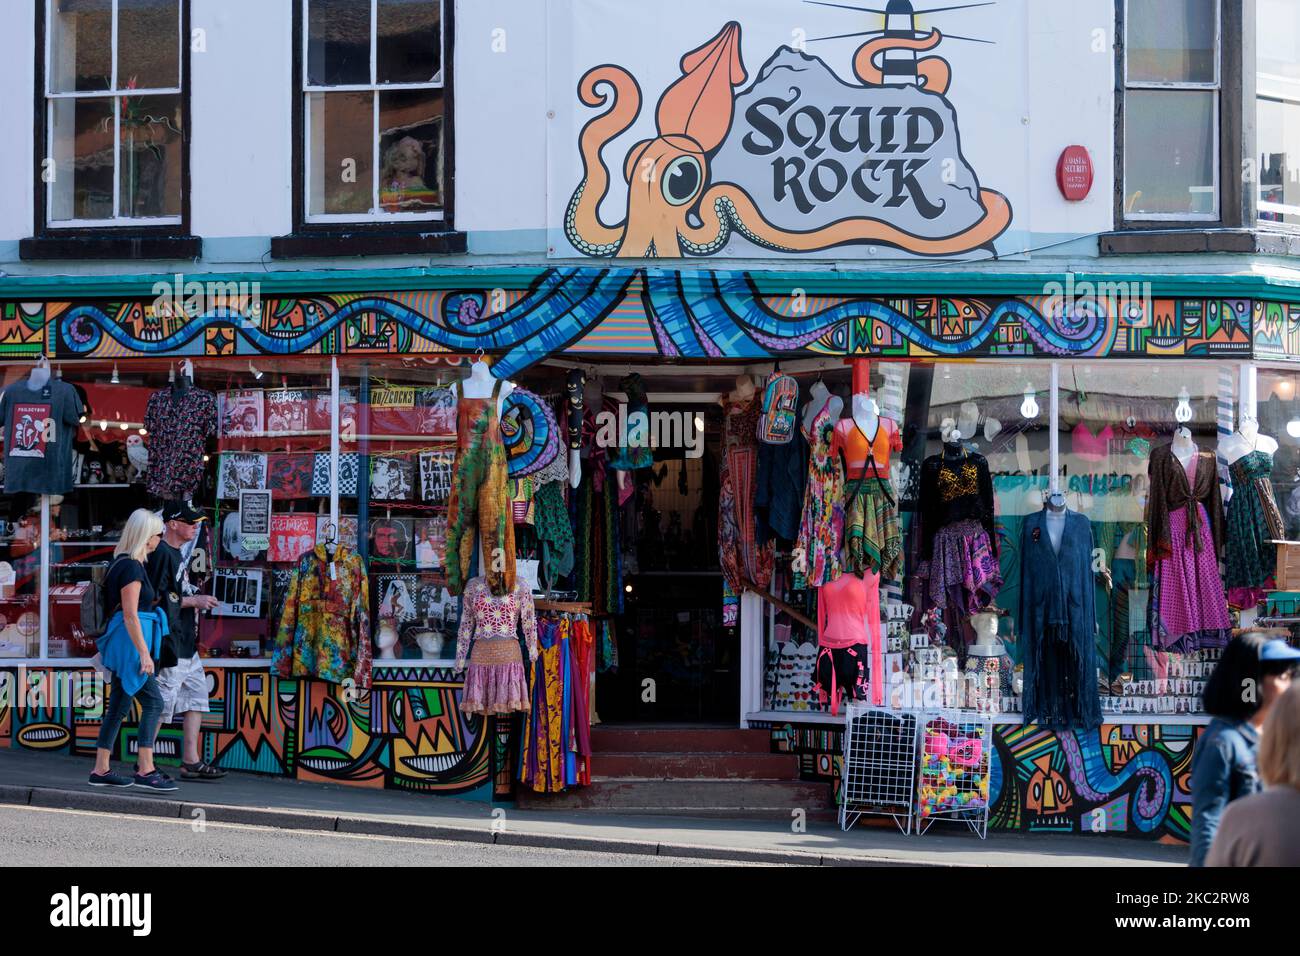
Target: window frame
154, 226
1222, 107
1270, 88
372, 223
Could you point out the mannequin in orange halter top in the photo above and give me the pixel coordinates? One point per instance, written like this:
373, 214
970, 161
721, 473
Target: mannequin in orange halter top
857, 448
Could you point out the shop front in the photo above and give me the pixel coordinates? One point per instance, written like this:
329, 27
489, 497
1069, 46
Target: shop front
304, 416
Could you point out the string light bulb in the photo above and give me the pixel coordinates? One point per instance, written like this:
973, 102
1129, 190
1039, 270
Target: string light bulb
115, 379
1183, 411
1029, 407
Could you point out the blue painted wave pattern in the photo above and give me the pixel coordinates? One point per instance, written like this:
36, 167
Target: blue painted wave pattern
1093, 780
529, 432
692, 315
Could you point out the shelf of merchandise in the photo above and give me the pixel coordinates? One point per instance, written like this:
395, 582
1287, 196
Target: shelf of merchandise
810, 717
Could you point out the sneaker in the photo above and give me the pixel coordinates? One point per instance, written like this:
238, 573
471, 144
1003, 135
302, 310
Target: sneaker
110, 779
155, 781
200, 771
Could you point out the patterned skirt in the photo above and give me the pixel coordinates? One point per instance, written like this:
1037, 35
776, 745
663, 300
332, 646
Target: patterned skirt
1188, 610
874, 542
963, 571
495, 682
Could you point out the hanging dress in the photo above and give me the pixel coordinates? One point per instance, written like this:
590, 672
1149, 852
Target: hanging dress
821, 529
1188, 609
1253, 520
543, 757
479, 501
960, 571
742, 560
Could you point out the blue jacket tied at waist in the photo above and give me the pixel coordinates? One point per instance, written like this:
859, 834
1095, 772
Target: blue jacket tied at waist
120, 654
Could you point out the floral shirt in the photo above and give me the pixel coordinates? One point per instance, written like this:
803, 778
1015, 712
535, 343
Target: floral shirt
484, 617
325, 626
179, 423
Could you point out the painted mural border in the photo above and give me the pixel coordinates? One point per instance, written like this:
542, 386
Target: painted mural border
652, 314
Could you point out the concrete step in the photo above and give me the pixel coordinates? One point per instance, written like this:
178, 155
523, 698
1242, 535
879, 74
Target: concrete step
697, 765
684, 740
767, 799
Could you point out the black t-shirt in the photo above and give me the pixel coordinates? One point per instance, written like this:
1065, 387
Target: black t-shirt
122, 572
164, 566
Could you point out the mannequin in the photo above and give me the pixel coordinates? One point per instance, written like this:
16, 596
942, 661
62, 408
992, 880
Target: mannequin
743, 392
183, 381
985, 626
1055, 519
1245, 440
866, 414
40, 375
1183, 447
386, 639
968, 416
821, 397
479, 383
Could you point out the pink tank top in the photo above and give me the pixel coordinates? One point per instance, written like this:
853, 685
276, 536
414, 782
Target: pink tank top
842, 612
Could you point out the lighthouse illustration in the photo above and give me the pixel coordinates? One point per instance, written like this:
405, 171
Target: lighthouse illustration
900, 39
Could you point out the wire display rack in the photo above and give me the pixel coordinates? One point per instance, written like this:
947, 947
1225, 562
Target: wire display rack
879, 765
956, 750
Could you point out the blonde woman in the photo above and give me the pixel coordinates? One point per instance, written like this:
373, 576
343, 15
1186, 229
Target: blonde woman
128, 647
1264, 829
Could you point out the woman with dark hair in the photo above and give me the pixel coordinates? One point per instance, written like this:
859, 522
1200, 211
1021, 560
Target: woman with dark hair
1253, 672
1264, 828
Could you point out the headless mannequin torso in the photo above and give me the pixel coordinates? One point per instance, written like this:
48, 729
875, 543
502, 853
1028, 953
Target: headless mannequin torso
821, 398
1183, 447
866, 415
1245, 440
1056, 520
479, 383
39, 377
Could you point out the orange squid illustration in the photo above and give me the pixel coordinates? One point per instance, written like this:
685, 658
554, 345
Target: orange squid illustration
673, 208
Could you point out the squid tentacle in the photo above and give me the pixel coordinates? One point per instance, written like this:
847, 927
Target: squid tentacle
582, 225
745, 217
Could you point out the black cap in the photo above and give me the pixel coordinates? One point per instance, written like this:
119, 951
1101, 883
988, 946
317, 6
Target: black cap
181, 511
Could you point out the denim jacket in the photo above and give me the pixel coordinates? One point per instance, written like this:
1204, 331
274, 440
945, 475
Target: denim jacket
1223, 769
120, 654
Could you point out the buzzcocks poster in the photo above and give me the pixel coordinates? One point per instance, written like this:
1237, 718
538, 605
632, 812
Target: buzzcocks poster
772, 128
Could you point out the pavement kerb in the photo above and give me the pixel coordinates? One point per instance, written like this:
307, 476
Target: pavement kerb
18, 795
301, 820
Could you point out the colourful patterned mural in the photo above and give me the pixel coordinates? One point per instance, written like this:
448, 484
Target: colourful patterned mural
1277, 329
22, 329
405, 733
656, 312
1121, 778
1130, 779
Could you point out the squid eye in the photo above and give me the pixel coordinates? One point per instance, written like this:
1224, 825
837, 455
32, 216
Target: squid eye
682, 180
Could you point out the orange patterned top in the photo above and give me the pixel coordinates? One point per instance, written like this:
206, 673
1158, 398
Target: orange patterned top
857, 448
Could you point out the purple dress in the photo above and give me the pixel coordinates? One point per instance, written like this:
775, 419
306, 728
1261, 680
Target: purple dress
1188, 609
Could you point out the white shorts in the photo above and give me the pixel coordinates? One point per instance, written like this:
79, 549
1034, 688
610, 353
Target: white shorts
184, 688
